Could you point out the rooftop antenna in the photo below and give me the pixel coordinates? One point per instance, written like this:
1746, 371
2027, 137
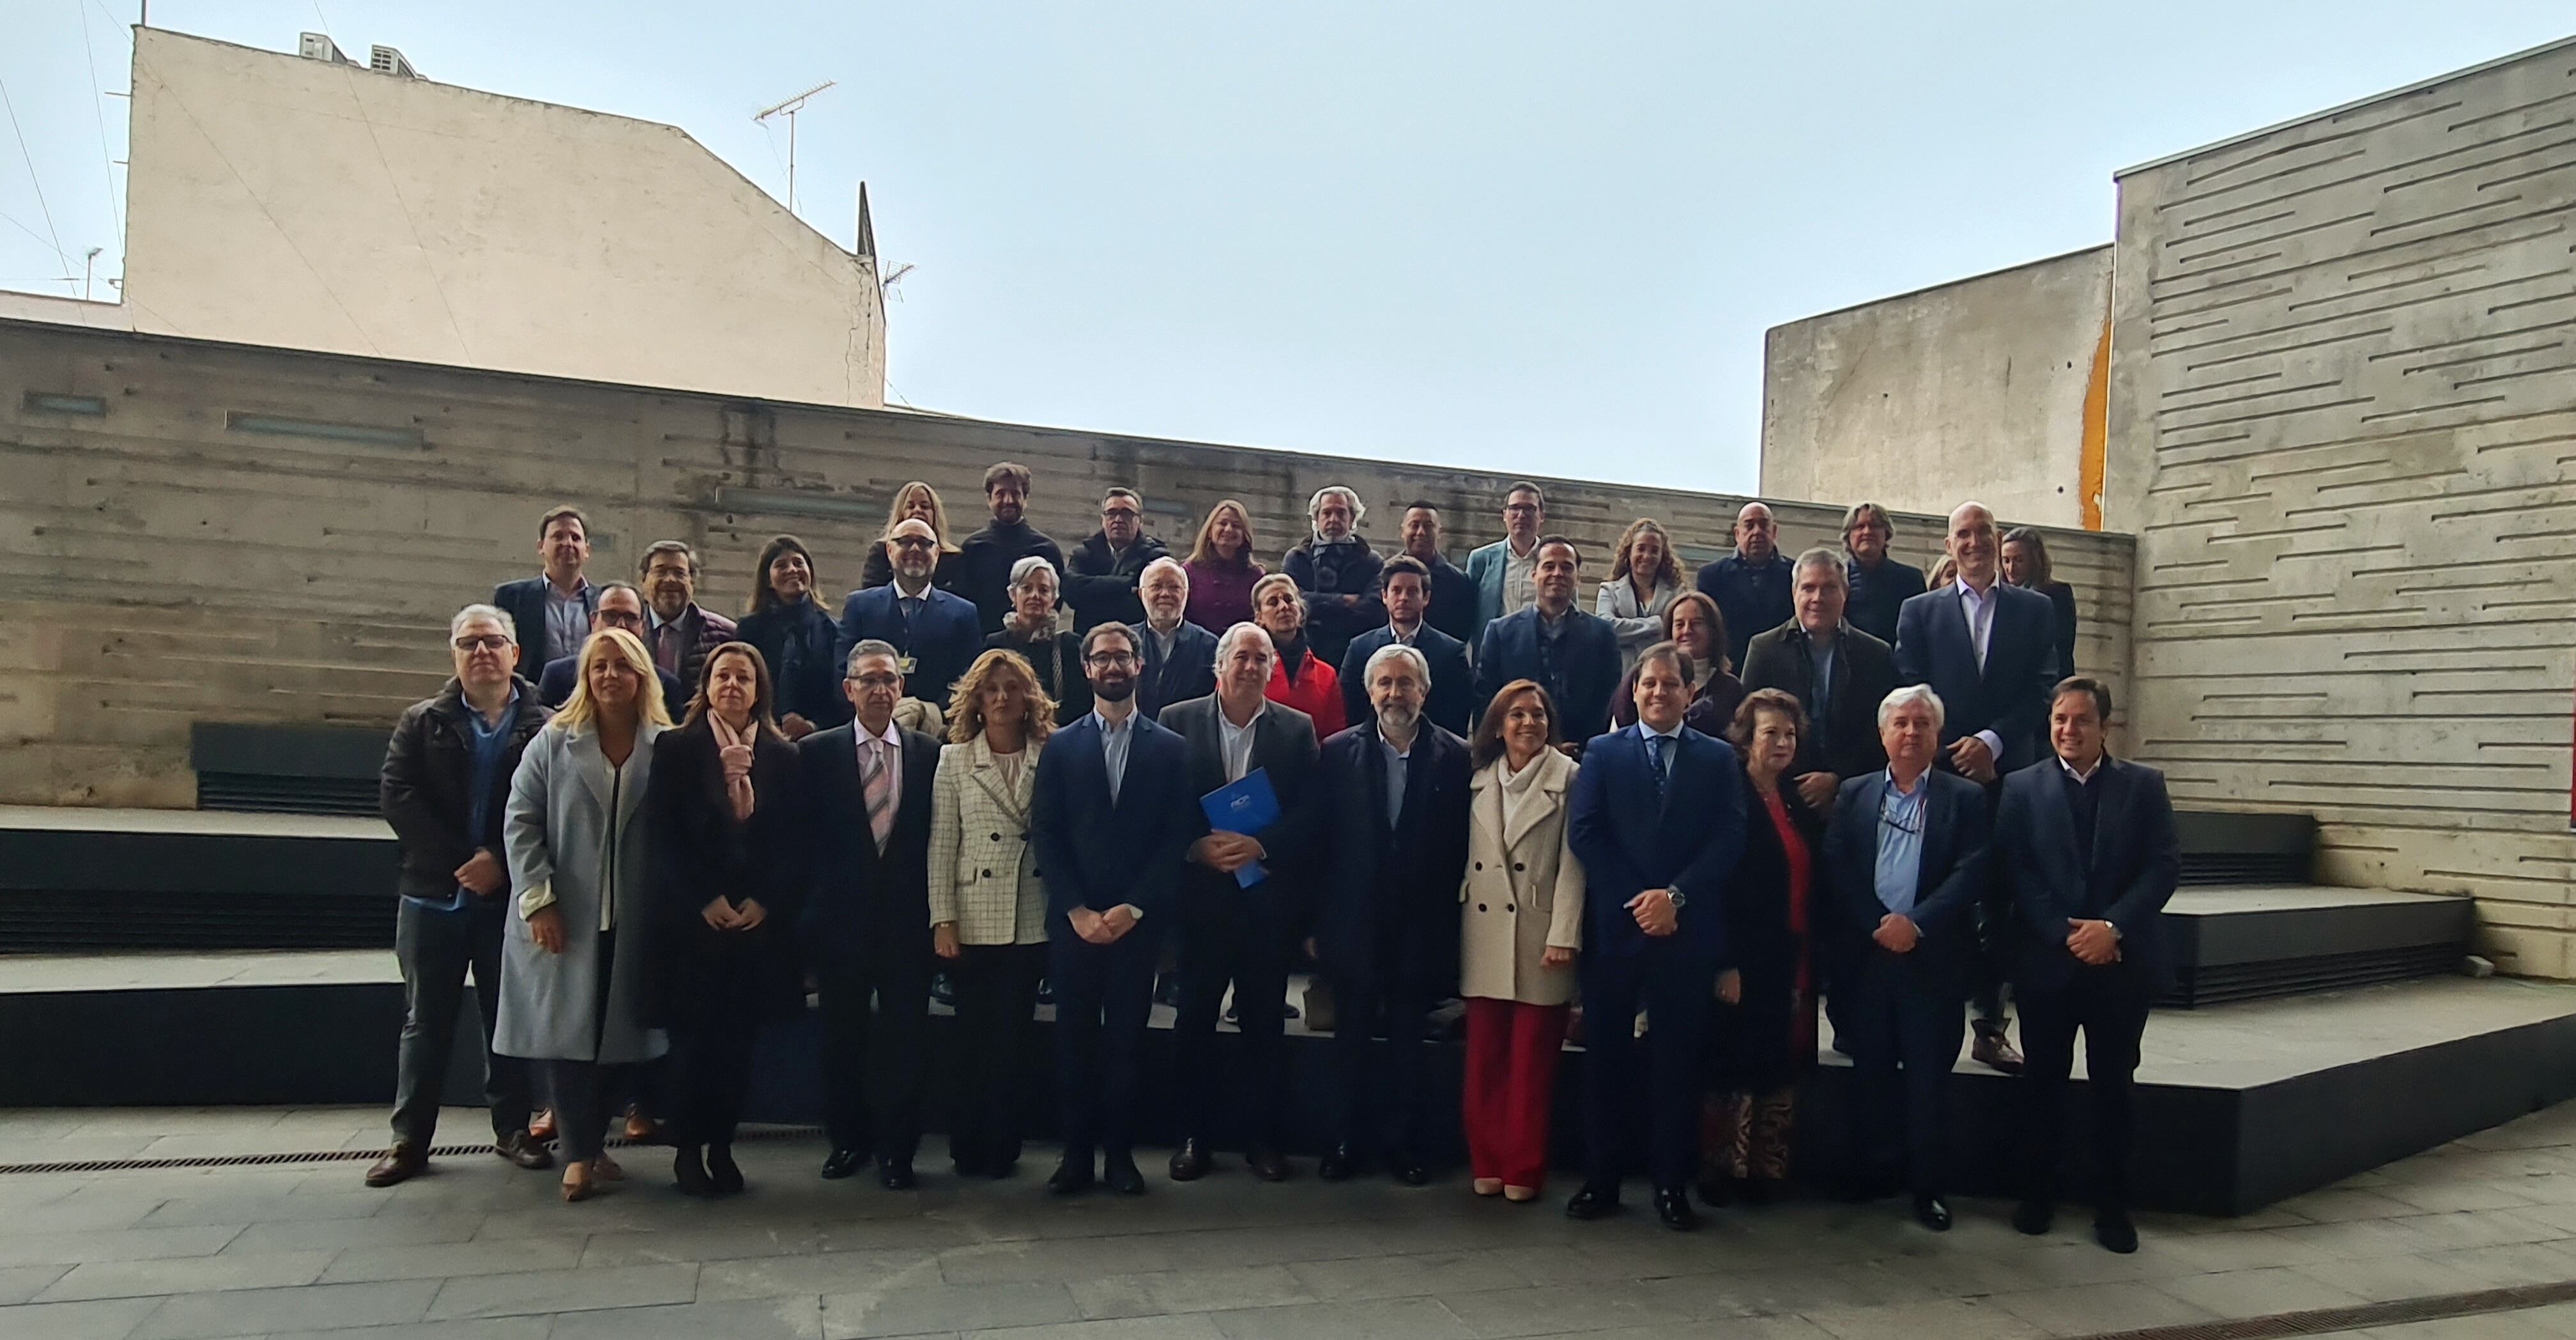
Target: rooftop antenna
789, 107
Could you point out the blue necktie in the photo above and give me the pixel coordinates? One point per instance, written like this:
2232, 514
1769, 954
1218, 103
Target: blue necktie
1657, 749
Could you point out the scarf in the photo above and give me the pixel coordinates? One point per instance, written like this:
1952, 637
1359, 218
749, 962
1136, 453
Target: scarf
1519, 786
733, 750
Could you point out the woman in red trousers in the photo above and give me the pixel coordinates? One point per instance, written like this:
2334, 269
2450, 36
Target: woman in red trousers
1521, 921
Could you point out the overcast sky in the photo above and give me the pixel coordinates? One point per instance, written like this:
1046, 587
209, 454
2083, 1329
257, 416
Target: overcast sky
1515, 236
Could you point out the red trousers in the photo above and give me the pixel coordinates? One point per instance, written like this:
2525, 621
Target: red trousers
1511, 1078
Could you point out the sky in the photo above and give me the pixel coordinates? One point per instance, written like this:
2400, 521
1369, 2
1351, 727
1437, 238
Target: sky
1539, 238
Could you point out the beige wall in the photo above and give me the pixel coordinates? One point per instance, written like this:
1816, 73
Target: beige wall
161, 567
282, 201
1989, 388
2343, 420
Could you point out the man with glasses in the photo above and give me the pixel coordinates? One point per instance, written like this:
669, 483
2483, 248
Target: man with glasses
1879, 584
935, 635
1102, 574
615, 605
1505, 572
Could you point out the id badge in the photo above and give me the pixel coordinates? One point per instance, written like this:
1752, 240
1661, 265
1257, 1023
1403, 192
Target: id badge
905, 665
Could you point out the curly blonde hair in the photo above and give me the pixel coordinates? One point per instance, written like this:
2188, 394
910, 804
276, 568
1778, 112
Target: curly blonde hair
966, 701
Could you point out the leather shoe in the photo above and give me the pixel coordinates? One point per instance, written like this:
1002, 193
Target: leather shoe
400, 1164
1119, 1171
1673, 1206
1336, 1164
1409, 1169
689, 1171
723, 1171
1932, 1212
842, 1163
895, 1174
1270, 1165
1995, 1052
2111, 1228
523, 1152
1593, 1202
1190, 1161
2034, 1216
1072, 1176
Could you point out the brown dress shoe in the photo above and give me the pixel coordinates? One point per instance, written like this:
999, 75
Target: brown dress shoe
1995, 1052
641, 1129
398, 1165
523, 1152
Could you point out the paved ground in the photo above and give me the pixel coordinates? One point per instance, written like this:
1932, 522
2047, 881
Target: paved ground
478, 1249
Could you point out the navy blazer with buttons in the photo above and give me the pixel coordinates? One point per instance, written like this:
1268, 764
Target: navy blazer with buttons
1097, 854
2125, 880
524, 601
2010, 695
1629, 842
942, 640
1453, 686
1948, 883
1590, 671
1189, 672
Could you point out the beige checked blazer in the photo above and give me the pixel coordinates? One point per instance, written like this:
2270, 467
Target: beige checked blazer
983, 872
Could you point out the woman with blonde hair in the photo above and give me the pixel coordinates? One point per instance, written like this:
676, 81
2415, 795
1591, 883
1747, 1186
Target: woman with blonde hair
1222, 569
988, 910
914, 499
1645, 576
575, 839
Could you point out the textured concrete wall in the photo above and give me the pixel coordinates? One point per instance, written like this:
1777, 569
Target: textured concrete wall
1990, 387
292, 202
2344, 411
161, 562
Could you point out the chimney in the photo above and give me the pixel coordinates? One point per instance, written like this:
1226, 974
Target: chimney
319, 46
386, 60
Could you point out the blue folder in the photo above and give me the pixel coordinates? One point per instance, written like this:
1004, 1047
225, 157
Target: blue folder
1247, 806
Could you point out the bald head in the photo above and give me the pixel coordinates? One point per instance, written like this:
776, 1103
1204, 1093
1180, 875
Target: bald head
1757, 536
912, 547
1971, 544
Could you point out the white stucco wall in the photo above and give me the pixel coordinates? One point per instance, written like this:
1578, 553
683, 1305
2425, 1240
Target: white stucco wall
282, 201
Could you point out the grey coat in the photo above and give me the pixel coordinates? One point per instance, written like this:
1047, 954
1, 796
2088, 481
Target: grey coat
559, 828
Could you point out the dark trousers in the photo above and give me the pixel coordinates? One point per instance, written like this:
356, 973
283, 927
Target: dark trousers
436, 949
580, 1088
1104, 995
1246, 943
1379, 1099
997, 1000
1676, 990
1903, 1040
873, 1058
2110, 1005
710, 1067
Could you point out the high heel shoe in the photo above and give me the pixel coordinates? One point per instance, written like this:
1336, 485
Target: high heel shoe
577, 1183
606, 1169
1489, 1186
1519, 1195
690, 1172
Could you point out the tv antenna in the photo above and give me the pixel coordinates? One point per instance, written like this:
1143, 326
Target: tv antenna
789, 107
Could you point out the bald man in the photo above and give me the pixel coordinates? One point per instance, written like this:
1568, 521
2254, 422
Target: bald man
1751, 586
937, 635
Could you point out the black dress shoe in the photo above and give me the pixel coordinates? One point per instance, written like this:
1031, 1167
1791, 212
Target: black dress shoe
1408, 1168
1270, 1165
1119, 1171
895, 1175
1072, 1177
1718, 1191
1190, 1161
1593, 1202
842, 1163
1758, 1191
723, 1171
2034, 1216
1673, 1206
1932, 1213
689, 1170
2111, 1228
1336, 1164
523, 1152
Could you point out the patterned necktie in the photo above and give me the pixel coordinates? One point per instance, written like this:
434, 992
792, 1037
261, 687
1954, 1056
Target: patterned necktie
876, 783
1657, 749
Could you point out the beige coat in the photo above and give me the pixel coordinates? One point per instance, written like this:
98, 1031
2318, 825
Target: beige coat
983, 875
1523, 894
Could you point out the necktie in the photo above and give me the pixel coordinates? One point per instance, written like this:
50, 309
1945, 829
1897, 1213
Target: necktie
1658, 748
666, 646
876, 782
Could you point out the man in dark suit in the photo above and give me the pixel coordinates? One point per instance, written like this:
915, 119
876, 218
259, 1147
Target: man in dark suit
678, 630
1905, 855
1233, 933
1879, 584
1657, 818
552, 609
936, 634
1111, 817
2086, 844
1405, 587
1452, 606
1837, 672
1751, 585
1571, 654
867, 918
1180, 656
614, 605
1390, 829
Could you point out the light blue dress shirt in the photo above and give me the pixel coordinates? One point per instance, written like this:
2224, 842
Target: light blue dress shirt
1114, 738
1900, 843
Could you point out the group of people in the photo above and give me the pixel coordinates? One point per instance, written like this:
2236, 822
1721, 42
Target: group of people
1695, 815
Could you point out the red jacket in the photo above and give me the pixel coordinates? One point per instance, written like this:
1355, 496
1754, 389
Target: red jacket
1316, 691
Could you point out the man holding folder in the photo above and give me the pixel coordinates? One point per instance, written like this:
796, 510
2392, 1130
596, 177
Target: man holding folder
1249, 759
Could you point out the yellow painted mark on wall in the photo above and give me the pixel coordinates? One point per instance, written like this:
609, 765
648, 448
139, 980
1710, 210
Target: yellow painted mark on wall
2097, 429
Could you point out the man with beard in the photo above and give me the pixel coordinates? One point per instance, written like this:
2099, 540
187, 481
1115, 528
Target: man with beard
1102, 575
1180, 657
982, 564
681, 632
1337, 571
1751, 585
1111, 817
932, 631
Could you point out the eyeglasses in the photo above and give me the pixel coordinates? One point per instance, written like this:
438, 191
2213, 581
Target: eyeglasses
1111, 658
1520, 509
1902, 815
877, 681
482, 642
912, 542
1118, 513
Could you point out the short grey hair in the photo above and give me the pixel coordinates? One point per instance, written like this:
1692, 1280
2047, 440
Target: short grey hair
1908, 696
1396, 651
1238, 633
1821, 557
871, 646
1166, 561
509, 626
1315, 504
1030, 563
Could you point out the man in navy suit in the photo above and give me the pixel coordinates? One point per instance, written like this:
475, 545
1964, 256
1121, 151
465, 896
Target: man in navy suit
1180, 656
613, 605
1657, 818
1571, 654
1111, 815
936, 634
1404, 585
1905, 854
1391, 830
2086, 844
553, 608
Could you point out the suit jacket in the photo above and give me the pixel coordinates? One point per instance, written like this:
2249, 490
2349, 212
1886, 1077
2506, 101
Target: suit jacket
1864, 674
1189, 672
1283, 746
554, 685
942, 640
2061, 599
1453, 600
700, 630
1951, 878
699, 851
859, 899
1453, 685
1098, 853
1630, 842
426, 790
1750, 597
1373, 882
984, 874
796, 641
2125, 879
524, 601
1485, 567
1876, 595
1587, 669
2010, 695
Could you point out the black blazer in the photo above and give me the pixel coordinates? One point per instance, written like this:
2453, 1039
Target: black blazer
1284, 746
796, 641
1587, 671
2126, 879
2062, 598
524, 601
1097, 854
1405, 880
1629, 843
426, 790
1876, 596
554, 685
1759, 942
2010, 695
1453, 686
1864, 674
1189, 672
1952, 876
857, 898
697, 851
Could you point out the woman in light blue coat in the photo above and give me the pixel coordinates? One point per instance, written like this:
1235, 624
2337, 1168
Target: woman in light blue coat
572, 987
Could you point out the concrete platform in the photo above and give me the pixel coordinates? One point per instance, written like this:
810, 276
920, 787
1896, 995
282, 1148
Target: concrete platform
80, 879
2252, 941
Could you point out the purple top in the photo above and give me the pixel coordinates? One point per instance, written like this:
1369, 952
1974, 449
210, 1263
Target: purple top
1220, 597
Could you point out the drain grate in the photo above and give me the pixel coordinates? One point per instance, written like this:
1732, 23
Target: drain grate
338, 1155
2329, 1320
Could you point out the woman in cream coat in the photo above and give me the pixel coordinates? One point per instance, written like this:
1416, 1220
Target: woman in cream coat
1521, 915
571, 985
1645, 578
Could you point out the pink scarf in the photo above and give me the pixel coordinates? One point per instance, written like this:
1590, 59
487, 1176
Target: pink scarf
733, 750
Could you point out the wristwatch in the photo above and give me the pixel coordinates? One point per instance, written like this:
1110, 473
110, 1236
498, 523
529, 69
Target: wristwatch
1679, 898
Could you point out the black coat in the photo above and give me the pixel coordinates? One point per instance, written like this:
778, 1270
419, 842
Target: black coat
1453, 599
1284, 748
2062, 597
1450, 705
2125, 879
426, 787
1058, 663
859, 900
1864, 674
1756, 1053
1386, 901
980, 570
1950, 882
1102, 587
1326, 573
1587, 667
1877, 594
698, 851
1190, 671
1750, 597
796, 640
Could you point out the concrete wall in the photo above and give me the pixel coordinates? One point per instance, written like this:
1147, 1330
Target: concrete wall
160, 563
2343, 416
1990, 388
282, 201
